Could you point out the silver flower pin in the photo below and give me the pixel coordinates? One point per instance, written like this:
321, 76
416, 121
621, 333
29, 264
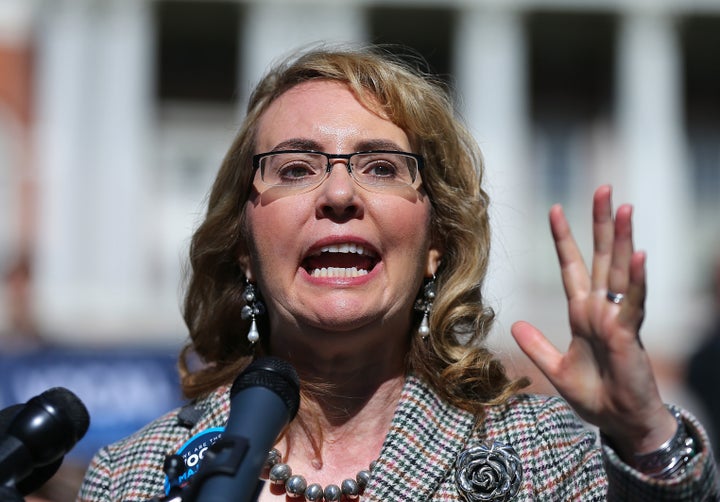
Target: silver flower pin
488, 473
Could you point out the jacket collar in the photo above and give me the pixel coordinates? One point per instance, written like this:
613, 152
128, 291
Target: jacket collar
425, 437
213, 411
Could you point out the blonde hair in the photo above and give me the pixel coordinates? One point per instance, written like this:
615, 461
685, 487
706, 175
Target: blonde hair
453, 360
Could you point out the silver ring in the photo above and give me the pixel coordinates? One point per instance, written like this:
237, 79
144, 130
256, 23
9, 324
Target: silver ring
615, 298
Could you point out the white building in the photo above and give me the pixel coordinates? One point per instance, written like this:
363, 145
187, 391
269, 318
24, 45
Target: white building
136, 101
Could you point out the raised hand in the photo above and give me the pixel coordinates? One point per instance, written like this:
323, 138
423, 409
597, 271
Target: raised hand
605, 374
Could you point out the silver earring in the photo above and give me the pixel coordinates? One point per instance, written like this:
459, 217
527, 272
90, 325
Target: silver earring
424, 305
253, 307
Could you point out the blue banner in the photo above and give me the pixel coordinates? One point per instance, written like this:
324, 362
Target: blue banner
123, 389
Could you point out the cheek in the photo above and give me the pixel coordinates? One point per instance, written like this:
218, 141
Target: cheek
406, 225
273, 229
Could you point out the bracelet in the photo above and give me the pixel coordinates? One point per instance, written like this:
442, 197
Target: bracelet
672, 456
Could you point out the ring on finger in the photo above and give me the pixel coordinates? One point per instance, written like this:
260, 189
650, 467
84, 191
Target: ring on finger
615, 298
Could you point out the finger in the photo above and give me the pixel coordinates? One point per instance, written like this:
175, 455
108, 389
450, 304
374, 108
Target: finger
538, 348
603, 238
619, 275
572, 267
632, 312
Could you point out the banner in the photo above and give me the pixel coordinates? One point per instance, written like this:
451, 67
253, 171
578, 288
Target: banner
123, 389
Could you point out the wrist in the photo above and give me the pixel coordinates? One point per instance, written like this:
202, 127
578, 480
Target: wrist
672, 456
668, 459
662, 429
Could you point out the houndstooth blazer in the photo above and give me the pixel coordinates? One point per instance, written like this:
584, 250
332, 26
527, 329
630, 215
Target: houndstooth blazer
561, 459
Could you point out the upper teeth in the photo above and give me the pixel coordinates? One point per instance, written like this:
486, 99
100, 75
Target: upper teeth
344, 248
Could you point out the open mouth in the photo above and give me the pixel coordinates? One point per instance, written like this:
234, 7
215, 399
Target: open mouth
341, 260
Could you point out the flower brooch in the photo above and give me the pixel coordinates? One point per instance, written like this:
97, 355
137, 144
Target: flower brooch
488, 473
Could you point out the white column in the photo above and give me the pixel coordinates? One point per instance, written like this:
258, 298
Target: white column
93, 132
273, 30
655, 171
490, 66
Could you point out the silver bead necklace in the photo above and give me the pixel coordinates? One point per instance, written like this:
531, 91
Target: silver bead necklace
297, 486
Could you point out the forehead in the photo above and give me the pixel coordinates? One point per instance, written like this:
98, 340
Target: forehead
328, 113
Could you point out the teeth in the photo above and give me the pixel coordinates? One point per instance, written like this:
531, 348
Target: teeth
344, 248
338, 272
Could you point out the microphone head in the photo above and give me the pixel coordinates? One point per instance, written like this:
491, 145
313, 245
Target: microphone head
50, 424
71, 406
275, 374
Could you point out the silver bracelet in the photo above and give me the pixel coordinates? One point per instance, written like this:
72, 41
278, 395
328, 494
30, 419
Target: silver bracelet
672, 456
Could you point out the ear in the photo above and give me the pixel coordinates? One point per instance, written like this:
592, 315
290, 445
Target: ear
246, 265
433, 261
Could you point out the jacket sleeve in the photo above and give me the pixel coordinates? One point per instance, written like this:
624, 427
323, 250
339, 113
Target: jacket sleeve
566, 462
96, 485
697, 482
127, 471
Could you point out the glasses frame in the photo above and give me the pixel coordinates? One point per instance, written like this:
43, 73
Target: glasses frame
328, 168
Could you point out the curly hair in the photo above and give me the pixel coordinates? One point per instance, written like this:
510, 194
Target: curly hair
453, 360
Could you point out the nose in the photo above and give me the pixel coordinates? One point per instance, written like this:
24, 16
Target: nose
338, 198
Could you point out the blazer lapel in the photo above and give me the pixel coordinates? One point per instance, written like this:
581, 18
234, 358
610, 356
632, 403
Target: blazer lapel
424, 439
215, 410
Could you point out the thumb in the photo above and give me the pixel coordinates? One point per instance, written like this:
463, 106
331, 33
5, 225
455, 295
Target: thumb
537, 347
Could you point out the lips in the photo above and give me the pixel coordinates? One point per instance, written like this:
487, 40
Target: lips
340, 260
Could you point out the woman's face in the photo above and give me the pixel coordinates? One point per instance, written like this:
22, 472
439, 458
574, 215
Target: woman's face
338, 225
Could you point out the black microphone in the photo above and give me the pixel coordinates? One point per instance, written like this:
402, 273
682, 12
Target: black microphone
263, 400
37, 435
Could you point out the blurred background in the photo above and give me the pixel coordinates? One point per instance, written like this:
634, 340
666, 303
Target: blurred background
115, 115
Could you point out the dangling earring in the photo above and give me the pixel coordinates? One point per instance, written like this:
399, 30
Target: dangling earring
424, 305
253, 307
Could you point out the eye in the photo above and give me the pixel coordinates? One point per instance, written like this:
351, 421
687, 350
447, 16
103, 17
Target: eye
292, 168
378, 168
295, 169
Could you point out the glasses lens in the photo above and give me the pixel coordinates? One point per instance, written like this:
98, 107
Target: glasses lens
292, 169
303, 169
384, 169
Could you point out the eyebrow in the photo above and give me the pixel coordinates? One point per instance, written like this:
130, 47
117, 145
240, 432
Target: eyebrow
297, 144
362, 146
377, 144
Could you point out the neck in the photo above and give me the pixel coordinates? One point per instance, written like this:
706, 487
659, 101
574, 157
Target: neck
343, 379
343, 388
351, 387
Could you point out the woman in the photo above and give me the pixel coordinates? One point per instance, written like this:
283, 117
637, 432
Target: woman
365, 271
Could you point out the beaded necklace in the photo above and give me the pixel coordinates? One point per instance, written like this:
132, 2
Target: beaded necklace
297, 486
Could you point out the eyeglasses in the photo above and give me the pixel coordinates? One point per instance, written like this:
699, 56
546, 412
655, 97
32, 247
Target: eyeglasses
303, 168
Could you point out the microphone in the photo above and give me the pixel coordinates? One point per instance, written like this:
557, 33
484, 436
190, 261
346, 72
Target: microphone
37, 435
263, 400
